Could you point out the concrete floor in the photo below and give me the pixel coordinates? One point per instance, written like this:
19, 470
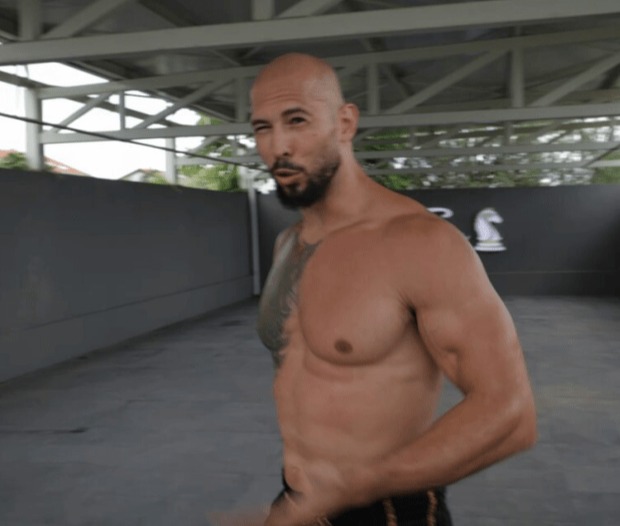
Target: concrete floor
167, 428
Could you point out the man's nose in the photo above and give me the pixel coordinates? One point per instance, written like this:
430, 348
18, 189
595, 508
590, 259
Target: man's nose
281, 143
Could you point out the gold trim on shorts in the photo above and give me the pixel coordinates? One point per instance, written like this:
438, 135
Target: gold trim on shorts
390, 513
431, 515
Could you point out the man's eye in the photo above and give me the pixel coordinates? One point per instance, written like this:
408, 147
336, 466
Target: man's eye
258, 129
297, 120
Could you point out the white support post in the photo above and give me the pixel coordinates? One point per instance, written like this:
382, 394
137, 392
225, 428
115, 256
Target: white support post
242, 102
30, 19
508, 130
122, 111
374, 96
252, 200
171, 167
34, 147
517, 79
247, 178
30, 29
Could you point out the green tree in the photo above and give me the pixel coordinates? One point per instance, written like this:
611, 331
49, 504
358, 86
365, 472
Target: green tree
155, 177
14, 161
610, 175
212, 176
18, 161
452, 177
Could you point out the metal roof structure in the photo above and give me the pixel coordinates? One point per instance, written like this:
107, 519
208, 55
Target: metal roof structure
467, 86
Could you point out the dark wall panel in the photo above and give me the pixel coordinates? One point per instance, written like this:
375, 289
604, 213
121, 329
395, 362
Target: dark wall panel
87, 263
559, 240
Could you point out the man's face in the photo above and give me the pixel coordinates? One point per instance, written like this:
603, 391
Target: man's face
296, 137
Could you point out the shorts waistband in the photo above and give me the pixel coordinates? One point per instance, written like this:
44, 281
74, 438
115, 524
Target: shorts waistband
426, 508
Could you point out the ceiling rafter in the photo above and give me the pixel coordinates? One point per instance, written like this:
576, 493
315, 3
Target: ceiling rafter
87, 17
408, 20
380, 121
380, 57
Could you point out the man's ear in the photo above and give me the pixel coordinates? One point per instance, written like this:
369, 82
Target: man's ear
348, 115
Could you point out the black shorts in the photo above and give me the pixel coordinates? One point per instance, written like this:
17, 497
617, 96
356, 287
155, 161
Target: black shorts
424, 508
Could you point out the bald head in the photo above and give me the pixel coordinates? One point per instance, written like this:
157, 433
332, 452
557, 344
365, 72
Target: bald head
314, 76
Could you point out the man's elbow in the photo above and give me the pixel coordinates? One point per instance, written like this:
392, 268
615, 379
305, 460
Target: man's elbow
525, 431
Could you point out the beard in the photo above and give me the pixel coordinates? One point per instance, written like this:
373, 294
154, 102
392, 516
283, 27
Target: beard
317, 183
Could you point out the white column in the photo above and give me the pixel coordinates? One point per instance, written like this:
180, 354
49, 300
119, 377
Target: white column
372, 83
34, 148
254, 235
30, 29
29, 13
171, 166
122, 111
247, 177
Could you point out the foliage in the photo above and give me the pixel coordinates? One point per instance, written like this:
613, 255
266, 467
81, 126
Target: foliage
212, 176
609, 175
18, 161
606, 176
14, 161
448, 175
155, 177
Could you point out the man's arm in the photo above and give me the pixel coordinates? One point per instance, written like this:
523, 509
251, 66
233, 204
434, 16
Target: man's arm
470, 335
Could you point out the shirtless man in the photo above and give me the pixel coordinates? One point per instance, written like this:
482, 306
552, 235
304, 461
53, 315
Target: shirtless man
370, 301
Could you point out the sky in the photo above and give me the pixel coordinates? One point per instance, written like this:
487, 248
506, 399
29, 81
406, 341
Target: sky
104, 159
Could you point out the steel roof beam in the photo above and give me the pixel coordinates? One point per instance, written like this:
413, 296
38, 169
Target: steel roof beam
408, 20
447, 81
381, 121
490, 150
182, 103
30, 19
475, 168
598, 69
362, 59
85, 18
263, 9
308, 8
91, 104
452, 151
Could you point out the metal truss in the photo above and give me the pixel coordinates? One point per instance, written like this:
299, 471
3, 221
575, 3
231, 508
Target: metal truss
433, 95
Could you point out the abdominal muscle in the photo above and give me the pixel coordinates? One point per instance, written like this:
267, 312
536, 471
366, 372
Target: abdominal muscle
351, 414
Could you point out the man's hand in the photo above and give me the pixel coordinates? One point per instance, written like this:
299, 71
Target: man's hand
328, 491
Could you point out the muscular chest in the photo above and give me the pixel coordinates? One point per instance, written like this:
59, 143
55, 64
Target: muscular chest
337, 299
349, 310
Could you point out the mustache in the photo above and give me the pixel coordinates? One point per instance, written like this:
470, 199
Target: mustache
285, 164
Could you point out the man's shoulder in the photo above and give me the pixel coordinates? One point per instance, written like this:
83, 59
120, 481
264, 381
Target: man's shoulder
422, 243
418, 225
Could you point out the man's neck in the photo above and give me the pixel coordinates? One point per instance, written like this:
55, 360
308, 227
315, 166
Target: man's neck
347, 201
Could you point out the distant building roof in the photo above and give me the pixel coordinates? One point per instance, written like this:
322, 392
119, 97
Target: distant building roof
54, 165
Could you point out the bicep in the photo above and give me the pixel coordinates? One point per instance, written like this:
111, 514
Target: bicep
464, 324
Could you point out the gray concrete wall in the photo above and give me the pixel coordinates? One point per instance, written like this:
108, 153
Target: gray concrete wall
560, 240
88, 263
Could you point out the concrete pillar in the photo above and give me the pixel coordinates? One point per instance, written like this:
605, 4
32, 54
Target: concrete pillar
30, 29
171, 161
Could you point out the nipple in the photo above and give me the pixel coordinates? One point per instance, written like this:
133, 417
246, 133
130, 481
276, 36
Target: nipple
343, 347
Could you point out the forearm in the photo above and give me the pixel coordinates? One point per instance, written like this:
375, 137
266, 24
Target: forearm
473, 435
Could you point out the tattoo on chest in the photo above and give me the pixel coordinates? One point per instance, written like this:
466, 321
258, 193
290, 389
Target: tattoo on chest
280, 294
